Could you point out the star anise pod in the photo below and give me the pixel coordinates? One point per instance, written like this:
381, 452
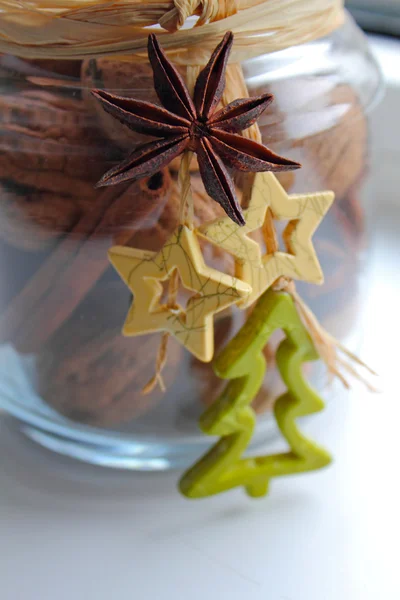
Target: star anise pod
185, 124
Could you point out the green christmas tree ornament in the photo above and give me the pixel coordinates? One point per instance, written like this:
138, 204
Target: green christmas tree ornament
232, 418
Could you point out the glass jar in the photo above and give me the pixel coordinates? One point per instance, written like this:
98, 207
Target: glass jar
66, 372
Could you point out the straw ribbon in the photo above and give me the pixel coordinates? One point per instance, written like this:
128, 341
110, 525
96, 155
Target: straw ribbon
208, 11
91, 28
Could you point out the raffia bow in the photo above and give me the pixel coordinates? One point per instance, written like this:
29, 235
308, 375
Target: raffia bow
83, 28
208, 11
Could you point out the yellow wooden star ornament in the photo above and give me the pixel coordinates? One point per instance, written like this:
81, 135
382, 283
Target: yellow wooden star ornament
304, 213
143, 272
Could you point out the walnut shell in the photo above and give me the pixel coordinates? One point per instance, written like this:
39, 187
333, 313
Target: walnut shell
90, 373
33, 220
152, 236
125, 79
50, 142
55, 68
140, 210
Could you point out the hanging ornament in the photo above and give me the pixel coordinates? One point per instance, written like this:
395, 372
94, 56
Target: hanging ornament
182, 124
187, 126
304, 213
143, 272
232, 418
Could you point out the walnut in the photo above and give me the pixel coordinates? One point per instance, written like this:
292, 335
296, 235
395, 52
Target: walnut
92, 374
127, 79
50, 142
51, 155
33, 220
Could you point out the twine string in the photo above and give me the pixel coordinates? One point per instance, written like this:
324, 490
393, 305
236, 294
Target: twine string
186, 209
327, 346
186, 217
236, 88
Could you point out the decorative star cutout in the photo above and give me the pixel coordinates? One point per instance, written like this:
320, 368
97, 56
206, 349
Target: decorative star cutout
143, 272
182, 124
304, 213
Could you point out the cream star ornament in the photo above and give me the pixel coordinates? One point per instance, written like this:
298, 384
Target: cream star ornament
143, 272
304, 213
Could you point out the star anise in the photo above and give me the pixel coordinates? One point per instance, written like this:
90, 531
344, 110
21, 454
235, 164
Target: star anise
186, 124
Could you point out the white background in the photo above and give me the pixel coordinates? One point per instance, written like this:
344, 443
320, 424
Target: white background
69, 531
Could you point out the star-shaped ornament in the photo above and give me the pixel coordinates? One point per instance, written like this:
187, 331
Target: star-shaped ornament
182, 124
192, 326
304, 213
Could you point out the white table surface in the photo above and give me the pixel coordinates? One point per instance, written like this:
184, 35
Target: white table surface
70, 531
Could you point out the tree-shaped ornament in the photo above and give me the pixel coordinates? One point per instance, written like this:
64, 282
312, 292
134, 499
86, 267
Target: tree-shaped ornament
232, 417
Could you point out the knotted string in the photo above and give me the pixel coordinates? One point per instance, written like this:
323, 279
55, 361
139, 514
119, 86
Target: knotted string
208, 11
